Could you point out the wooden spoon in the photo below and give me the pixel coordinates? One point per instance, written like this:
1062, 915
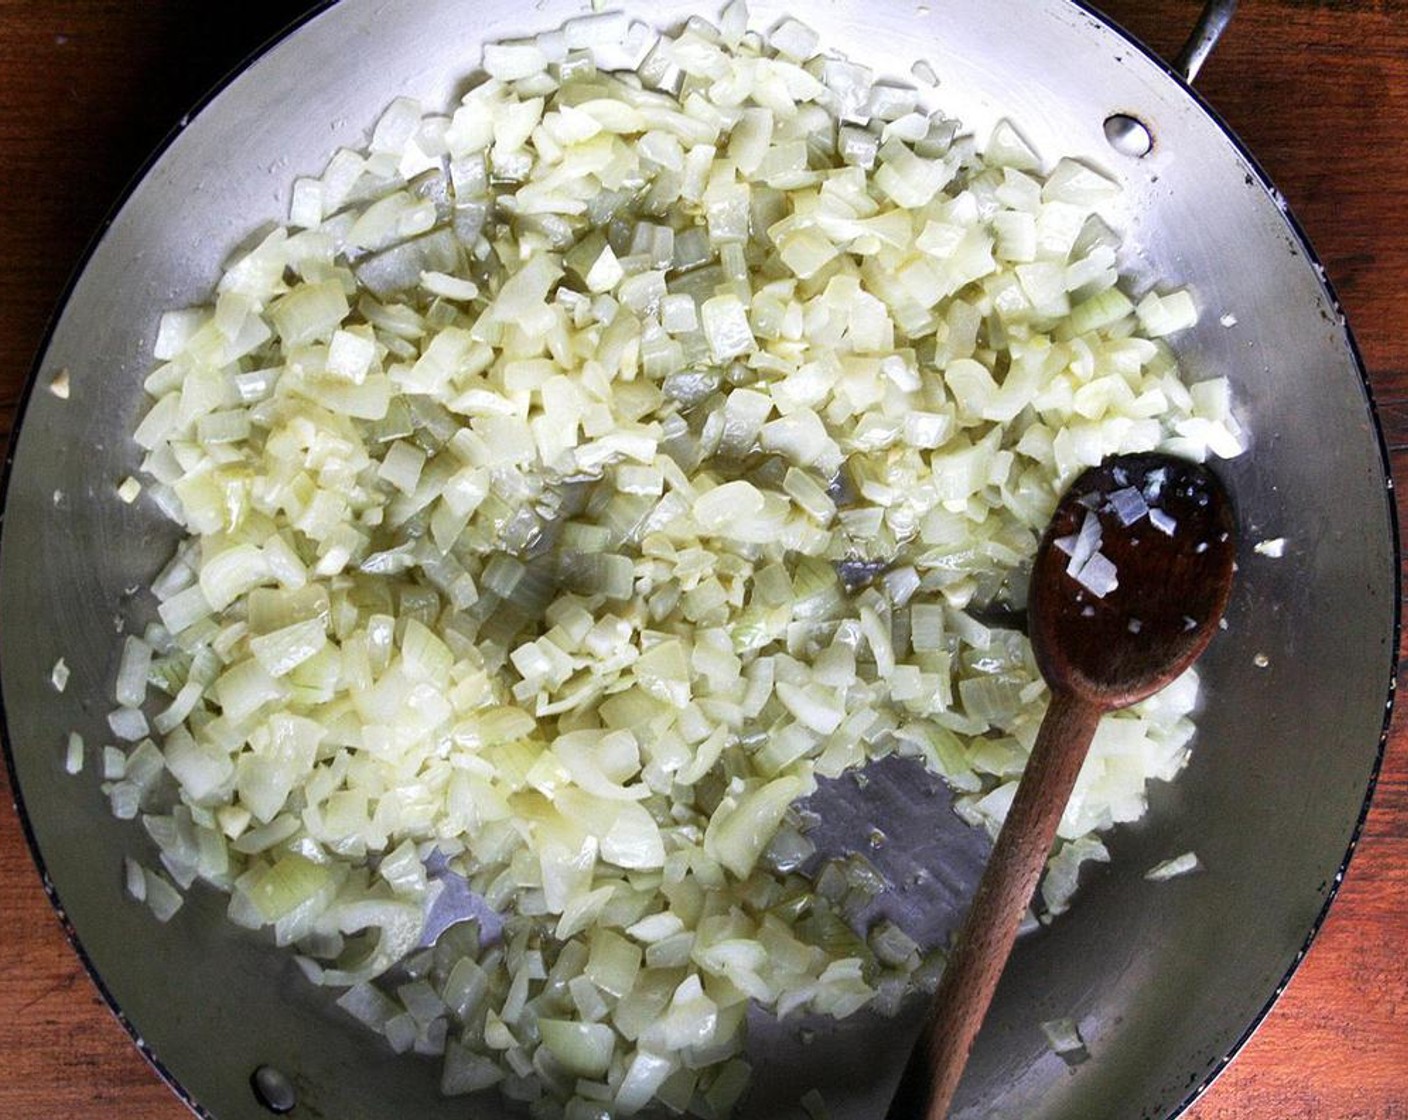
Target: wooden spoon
1172, 566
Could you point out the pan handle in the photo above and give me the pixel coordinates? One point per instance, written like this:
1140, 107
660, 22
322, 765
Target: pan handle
1217, 14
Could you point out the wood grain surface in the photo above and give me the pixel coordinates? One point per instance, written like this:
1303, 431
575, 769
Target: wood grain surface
1318, 89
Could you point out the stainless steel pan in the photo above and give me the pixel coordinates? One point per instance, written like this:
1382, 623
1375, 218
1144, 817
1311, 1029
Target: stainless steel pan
1164, 981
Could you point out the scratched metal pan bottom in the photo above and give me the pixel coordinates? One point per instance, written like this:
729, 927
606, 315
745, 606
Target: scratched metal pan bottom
1163, 981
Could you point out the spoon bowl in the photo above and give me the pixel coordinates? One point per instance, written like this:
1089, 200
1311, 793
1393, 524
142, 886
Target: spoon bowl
1167, 528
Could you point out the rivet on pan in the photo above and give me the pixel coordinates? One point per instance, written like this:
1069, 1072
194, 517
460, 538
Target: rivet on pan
1128, 135
273, 1090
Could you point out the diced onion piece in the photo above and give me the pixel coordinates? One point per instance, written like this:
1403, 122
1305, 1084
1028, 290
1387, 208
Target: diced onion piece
449, 287
135, 879
741, 828
1098, 575
1164, 315
1171, 868
350, 355
728, 503
513, 61
1129, 505
128, 724
73, 757
1163, 521
131, 688
1063, 1035
161, 897
584, 1049
1083, 546
725, 323
467, 1072
643, 1079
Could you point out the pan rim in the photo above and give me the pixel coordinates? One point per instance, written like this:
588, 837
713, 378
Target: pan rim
1307, 250
85, 258
1301, 242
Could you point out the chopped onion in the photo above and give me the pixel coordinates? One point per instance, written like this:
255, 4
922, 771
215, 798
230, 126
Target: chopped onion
586, 469
1162, 521
1171, 868
1129, 505
160, 896
73, 757
1064, 1036
132, 670
1098, 576
583, 1049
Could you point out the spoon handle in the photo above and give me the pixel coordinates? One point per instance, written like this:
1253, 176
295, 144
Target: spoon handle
1017, 859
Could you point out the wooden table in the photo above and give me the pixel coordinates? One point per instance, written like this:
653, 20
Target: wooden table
1317, 88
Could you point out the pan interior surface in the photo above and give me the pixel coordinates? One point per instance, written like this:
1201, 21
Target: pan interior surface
1163, 980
